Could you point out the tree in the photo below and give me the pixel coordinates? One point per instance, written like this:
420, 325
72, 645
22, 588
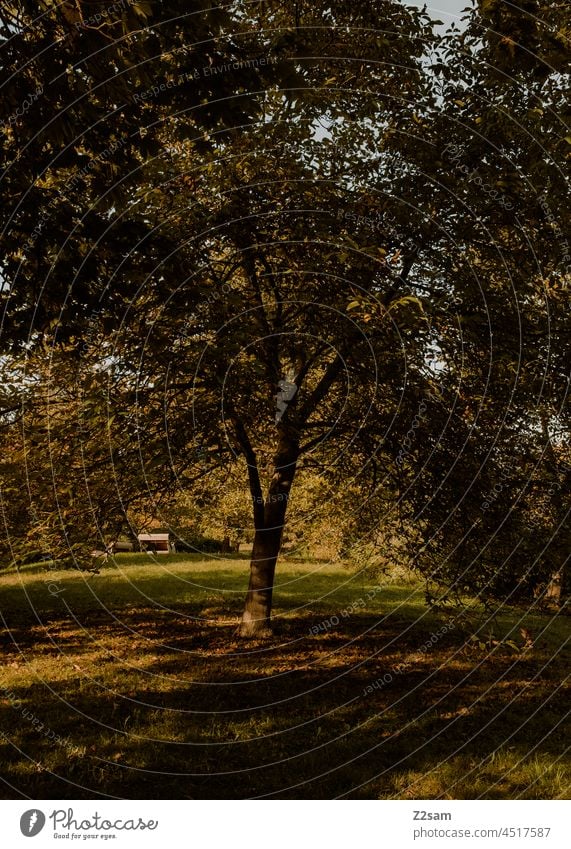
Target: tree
298, 289
74, 473
263, 285
500, 512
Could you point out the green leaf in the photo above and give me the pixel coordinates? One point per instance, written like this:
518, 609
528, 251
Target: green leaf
407, 299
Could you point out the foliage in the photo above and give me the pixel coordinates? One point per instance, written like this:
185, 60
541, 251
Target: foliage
311, 215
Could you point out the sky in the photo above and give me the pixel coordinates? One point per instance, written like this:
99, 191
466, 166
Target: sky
446, 11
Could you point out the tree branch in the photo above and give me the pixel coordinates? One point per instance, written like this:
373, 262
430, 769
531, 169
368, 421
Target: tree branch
331, 374
253, 472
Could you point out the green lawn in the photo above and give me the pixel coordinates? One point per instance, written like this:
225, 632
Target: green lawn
138, 671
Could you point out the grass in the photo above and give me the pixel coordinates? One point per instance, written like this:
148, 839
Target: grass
139, 673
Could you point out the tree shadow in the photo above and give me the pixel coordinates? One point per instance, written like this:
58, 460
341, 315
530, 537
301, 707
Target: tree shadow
358, 710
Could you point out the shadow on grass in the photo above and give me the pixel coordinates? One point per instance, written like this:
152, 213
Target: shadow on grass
172, 705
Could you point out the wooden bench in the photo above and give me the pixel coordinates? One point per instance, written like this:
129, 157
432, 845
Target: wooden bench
158, 543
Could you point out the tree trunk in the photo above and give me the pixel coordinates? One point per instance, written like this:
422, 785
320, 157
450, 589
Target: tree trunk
256, 619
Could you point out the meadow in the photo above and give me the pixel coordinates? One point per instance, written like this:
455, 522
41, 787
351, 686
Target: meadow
132, 684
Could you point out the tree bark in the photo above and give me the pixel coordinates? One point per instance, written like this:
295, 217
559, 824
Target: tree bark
256, 619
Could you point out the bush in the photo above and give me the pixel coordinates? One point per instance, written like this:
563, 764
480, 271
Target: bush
189, 542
